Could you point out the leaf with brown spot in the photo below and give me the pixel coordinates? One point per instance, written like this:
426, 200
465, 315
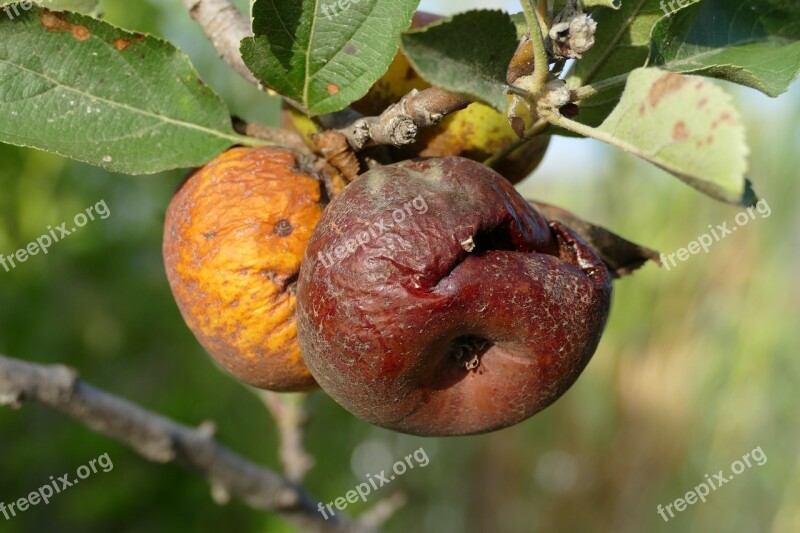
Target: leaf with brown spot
679, 132
664, 86
660, 119
622, 43
121, 44
155, 117
322, 54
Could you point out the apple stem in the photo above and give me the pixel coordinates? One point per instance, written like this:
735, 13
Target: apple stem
538, 29
587, 91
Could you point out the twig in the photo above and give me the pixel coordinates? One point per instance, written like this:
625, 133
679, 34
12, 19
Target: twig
400, 123
277, 136
225, 27
555, 118
289, 412
382, 511
588, 91
161, 440
537, 29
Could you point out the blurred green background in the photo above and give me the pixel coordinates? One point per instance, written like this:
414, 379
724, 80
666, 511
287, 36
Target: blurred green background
699, 364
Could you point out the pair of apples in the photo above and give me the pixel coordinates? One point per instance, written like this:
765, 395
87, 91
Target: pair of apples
465, 317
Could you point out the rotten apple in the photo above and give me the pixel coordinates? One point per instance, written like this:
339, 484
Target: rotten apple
434, 300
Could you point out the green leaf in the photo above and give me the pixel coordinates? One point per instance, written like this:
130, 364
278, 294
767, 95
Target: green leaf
88, 7
468, 54
81, 88
754, 43
325, 55
685, 125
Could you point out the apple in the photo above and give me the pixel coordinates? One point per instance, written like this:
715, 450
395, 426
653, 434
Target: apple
434, 300
234, 235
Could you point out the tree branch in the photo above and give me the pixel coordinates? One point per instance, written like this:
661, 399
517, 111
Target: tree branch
289, 412
161, 440
400, 123
278, 136
384, 509
225, 27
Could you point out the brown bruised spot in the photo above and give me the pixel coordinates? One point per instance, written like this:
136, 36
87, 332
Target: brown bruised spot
725, 117
139, 37
332, 89
350, 49
283, 228
57, 22
54, 21
679, 132
121, 44
702, 103
666, 85
81, 33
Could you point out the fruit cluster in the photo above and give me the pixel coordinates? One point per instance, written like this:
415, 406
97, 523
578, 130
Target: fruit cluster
467, 312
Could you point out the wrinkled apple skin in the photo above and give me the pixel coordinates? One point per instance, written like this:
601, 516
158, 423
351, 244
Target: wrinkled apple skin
380, 324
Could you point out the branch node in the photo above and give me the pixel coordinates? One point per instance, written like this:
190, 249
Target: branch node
287, 499
11, 399
384, 510
400, 124
360, 135
207, 429
220, 494
572, 33
402, 131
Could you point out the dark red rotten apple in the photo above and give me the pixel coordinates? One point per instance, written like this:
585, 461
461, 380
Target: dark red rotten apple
434, 300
